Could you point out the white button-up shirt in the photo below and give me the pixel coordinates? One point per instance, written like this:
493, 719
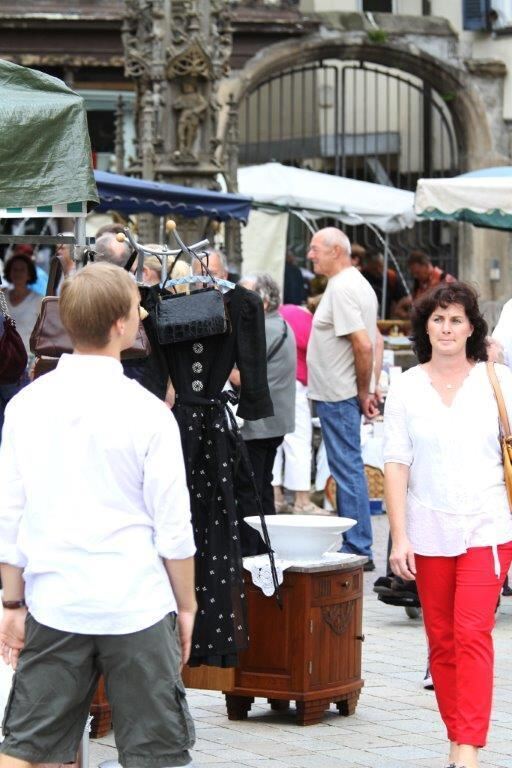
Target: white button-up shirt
92, 496
456, 494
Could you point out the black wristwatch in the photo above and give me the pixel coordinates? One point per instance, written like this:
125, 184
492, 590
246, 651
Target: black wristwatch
11, 605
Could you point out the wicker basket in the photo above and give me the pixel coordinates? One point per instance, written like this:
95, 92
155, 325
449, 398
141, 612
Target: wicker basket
374, 479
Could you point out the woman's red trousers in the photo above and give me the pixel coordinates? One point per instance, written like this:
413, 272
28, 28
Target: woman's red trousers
459, 597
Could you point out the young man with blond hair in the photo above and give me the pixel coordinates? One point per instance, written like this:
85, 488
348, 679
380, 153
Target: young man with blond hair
96, 546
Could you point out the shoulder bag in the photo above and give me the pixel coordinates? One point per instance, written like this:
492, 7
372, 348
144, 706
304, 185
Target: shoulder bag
49, 338
13, 355
505, 436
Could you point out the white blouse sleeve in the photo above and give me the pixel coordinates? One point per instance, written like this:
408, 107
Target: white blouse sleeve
397, 440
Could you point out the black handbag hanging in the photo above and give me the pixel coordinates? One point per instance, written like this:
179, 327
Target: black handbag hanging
190, 316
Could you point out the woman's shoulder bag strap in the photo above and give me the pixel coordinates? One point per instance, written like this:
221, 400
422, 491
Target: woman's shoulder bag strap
275, 349
505, 426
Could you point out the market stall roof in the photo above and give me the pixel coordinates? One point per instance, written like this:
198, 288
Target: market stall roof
320, 194
45, 152
128, 195
482, 197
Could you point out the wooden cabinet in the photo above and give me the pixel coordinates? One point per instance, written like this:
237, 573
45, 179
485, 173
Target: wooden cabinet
308, 651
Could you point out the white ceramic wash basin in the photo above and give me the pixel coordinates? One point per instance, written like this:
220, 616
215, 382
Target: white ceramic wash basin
303, 537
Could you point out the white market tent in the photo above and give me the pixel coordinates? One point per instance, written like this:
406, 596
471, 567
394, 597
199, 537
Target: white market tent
319, 194
482, 198
279, 190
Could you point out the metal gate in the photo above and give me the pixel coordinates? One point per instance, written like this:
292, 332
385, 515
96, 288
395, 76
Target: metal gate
363, 121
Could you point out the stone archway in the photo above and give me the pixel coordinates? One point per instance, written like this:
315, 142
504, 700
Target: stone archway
472, 91
476, 144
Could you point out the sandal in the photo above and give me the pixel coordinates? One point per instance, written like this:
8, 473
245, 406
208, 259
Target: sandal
309, 509
283, 507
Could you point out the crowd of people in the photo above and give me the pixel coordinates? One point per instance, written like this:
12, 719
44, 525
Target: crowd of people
300, 284
157, 498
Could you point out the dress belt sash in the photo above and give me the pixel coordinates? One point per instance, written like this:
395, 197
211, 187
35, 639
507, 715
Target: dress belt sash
221, 401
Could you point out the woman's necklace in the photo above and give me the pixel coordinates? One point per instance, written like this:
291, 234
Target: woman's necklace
459, 377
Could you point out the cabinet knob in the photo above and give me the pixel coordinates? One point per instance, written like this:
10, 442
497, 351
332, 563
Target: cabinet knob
360, 637
345, 584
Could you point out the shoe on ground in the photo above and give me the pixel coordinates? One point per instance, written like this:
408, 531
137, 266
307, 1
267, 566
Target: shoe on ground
369, 566
283, 508
400, 599
382, 585
428, 683
400, 585
309, 509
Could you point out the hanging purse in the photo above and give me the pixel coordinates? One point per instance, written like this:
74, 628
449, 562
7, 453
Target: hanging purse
190, 316
49, 338
505, 436
13, 355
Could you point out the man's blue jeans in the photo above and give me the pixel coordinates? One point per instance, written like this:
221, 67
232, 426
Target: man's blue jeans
341, 431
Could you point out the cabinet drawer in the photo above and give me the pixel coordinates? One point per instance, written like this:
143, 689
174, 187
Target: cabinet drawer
344, 584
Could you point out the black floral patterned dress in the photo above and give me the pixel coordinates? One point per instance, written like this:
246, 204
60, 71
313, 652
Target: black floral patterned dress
213, 450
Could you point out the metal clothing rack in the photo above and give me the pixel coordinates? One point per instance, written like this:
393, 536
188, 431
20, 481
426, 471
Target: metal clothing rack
162, 254
78, 240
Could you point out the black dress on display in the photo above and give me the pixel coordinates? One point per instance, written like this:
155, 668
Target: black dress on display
213, 449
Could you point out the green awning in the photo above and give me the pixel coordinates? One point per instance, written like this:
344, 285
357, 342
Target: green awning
45, 152
495, 219
482, 198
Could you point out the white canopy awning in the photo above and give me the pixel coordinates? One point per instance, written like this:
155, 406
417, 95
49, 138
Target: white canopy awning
481, 197
320, 194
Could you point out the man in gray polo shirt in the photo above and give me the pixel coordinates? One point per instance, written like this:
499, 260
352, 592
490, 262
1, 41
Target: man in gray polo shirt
340, 365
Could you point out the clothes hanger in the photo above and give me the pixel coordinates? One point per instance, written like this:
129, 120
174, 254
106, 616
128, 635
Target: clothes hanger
194, 279
202, 278
196, 251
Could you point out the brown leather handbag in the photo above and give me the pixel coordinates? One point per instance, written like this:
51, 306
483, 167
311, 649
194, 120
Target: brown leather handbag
49, 338
505, 436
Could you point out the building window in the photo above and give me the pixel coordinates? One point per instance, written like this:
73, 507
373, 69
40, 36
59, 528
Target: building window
476, 14
101, 130
378, 6
501, 16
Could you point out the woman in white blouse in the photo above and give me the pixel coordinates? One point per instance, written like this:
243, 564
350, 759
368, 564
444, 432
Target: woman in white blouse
450, 520
23, 303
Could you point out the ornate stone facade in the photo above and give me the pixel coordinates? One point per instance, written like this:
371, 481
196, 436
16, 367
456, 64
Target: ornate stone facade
177, 51
427, 48
177, 57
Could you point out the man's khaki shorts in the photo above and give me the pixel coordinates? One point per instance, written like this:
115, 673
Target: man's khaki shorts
55, 681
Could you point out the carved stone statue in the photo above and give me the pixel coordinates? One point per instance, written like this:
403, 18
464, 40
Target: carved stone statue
191, 108
177, 51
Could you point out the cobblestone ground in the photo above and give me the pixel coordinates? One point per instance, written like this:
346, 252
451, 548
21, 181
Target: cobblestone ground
396, 724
